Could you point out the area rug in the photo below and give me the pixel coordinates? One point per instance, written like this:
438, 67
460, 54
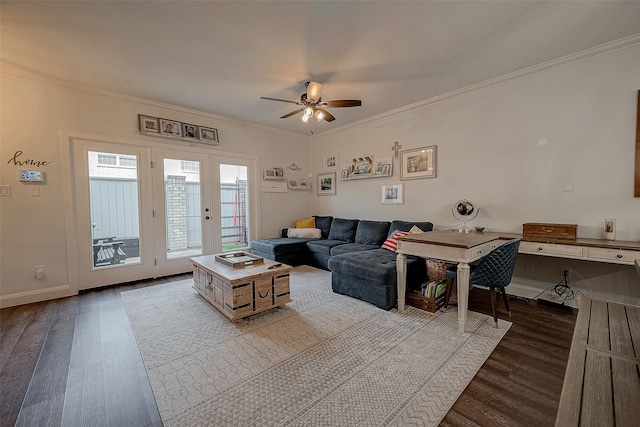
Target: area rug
322, 360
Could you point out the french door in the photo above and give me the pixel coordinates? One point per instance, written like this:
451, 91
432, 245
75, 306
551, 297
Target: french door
142, 212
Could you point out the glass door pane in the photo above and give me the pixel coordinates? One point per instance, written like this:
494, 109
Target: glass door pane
115, 215
183, 211
234, 207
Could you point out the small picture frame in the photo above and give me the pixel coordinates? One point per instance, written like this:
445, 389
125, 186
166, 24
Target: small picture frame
148, 124
344, 174
190, 132
383, 167
298, 184
331, 162
392, 194
170, 128
269, 174
418, 163
362, 165
327, 184
208, 135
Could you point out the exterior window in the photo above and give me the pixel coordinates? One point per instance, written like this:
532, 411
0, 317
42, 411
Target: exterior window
107, 159
128, 161
190, 166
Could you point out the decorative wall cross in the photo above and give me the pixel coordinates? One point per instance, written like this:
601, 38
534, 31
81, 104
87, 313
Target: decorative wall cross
396, 147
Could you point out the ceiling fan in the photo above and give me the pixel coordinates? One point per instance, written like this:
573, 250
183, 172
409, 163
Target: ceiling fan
312, 104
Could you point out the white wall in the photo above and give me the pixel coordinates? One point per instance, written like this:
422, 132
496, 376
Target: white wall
510, 148
34, 112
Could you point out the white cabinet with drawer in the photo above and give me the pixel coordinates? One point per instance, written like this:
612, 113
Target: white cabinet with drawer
616, 256
551, 249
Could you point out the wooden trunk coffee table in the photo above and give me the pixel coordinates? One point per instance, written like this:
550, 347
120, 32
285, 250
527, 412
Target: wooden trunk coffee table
241, 292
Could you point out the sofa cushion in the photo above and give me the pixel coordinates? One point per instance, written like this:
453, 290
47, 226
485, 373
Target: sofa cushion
351, 247
372, 232
397, 225
376, 265
304, 233
323, 246
324, 224
343, 229
280, 245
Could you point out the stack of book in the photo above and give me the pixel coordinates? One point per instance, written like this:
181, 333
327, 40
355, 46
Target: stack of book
434, 288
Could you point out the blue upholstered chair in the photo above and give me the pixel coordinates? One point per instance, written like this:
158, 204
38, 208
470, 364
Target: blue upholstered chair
494, 272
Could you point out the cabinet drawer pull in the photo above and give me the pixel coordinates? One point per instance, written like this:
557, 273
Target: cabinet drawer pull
619, 256
265, 295
539, 248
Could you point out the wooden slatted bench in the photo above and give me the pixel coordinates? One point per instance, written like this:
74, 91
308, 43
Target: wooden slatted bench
602, 381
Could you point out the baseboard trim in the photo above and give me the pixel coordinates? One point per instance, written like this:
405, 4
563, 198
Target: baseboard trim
28, 297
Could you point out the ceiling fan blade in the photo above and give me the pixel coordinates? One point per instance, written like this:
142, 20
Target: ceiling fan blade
292, 113
313, 92
343, 103
279, 100
327, 116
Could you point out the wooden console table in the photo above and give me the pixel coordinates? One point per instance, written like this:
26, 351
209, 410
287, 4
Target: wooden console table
602, 381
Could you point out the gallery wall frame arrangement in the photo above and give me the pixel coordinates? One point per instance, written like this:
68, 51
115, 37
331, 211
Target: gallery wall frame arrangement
173, 129
392, 194
418, 163
327, 184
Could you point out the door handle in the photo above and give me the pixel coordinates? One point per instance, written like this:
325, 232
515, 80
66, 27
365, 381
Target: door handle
207, 217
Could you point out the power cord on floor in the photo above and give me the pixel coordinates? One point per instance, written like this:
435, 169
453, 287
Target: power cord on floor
562, 292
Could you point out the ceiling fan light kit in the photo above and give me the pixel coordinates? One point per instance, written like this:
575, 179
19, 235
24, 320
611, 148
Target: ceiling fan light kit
311, 103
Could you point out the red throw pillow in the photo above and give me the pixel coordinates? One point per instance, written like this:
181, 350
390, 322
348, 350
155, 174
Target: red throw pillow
392, 242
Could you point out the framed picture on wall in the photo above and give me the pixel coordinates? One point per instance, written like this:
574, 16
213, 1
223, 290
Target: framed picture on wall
327, 184
418, 163
170, 128
209, 135
331, 162
392, 194
190, 131
148, 124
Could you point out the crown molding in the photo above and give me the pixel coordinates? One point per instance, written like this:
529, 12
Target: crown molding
573, 58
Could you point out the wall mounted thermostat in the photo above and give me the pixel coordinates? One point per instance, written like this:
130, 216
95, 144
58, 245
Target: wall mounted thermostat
30, 176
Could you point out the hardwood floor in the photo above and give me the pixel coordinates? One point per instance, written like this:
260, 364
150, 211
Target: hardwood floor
75, 362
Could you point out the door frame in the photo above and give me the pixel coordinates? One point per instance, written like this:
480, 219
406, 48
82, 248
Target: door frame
69, 138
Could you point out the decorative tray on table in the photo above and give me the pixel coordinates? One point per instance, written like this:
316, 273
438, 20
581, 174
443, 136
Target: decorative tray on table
239, 259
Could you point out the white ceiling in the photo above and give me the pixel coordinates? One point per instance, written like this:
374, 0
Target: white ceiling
221, 57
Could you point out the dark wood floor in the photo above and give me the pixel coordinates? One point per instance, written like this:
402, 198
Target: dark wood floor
75, 362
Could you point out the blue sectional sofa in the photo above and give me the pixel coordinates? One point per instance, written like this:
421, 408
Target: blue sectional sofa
352, 250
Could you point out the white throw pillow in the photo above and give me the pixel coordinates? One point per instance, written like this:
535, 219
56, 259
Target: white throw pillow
304, 232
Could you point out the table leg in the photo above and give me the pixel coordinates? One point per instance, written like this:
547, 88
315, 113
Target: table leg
401, 268
463, 294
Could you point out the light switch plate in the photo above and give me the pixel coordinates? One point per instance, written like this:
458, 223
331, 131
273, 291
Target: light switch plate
5, 190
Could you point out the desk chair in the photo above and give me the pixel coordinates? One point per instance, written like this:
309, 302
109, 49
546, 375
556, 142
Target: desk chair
494, 272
